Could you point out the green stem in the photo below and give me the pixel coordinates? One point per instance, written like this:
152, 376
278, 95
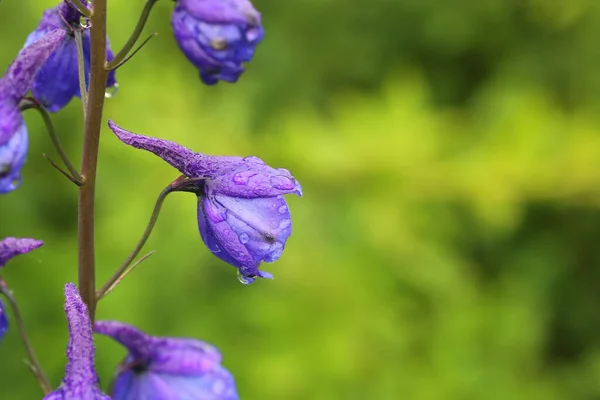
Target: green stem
33, 360
81, 68
122, 54
124, 267
81, 8
31, 103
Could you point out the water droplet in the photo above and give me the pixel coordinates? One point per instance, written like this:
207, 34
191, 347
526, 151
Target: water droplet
275, 253
215, 249
244, 237
85, 22
253, 159
242, 178
226, 232
111, 91
244, 279
262, 189
284, 223
282, 183
282, 209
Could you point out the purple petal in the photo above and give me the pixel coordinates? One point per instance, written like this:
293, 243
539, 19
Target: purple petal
11, 247
216, 385
21, 73
262, 224
3, 320
252, 178
232, 11
244, 232
176, 155
158, 354
218, 234
11, 119
12, 158
57, 82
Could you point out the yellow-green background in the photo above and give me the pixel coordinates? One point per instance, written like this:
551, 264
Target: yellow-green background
446, 247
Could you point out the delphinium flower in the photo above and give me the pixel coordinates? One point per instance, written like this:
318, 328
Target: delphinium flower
242, 215
58, 80
9, 248
13, 86
80, 381
160, 368
217, 36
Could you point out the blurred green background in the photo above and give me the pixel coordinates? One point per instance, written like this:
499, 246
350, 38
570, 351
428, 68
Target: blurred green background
445, 247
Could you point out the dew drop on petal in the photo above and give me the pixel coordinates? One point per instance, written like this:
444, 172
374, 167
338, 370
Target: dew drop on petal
111, 91
241, 178
261, 189
282, 209
282, 183
244, 237
284, 223
244, 279
275, 253
85, 22
253, 159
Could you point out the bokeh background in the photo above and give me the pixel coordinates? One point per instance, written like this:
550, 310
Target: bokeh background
446, 245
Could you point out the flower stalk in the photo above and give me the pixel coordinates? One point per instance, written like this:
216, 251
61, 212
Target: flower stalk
74, 175
121, 56
34, 363
91, 140
122, 270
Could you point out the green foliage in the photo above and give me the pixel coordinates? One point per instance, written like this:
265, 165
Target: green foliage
445, 246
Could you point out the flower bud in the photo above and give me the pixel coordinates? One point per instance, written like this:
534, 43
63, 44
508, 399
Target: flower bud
80, 380
167, 368
217, 36
242, 215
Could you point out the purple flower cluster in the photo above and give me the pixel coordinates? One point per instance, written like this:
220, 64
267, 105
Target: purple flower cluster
243, 217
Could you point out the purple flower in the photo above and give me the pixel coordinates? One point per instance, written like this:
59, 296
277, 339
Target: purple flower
217, 36
9, 248
242, 215
13, 86
80, 381
58, 80
158, 368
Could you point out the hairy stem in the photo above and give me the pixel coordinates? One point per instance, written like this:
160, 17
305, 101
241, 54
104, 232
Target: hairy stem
124, 267
122, 54
91, 140
33, 360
